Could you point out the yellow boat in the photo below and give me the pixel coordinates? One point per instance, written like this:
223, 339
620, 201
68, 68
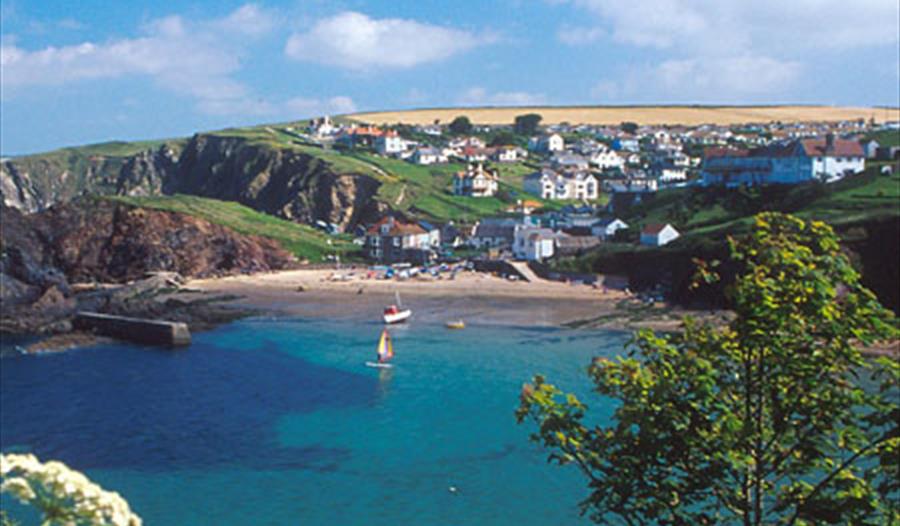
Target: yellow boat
458, 324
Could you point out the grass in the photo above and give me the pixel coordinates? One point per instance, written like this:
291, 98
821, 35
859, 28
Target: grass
303, 241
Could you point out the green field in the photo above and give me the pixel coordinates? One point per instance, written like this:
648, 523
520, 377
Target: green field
303, 241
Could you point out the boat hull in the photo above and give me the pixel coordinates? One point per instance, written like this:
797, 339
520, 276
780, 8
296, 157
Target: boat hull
379, 365
397, 317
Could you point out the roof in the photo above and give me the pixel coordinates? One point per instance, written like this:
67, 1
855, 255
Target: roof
608, 221
576, 242
494, 230
653, 229
399, 228
842, 148
721, 151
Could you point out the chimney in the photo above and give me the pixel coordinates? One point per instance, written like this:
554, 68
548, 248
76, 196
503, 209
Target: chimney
829, 142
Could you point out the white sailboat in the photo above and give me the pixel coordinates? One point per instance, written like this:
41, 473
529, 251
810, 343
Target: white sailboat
385, 351
396, 313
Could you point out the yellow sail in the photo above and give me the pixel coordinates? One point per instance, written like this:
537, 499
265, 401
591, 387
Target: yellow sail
385, 348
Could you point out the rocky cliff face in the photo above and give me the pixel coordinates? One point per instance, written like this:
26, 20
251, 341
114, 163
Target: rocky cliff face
285, 183
97, 240
281, 182
35, 183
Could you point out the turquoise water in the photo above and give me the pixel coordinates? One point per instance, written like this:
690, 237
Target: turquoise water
279, 422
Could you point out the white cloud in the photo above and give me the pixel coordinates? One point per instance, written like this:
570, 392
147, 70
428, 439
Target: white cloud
194, 58
249, 20
478, 96
742, 75
762, 26
576, 36
746, 48
355, 41
305, 107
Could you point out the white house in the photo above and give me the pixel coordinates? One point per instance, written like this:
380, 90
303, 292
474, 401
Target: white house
322, 127
466, 142
608, 159
508, 154
390, 143
475, 181
632, 186
552, 185
657, 235
797, 161
547, 143
606, 228
426, 156
569, 161
472, 154
533, 243
670, 174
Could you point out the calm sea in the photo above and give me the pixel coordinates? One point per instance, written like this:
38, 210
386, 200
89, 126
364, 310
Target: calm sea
279, 422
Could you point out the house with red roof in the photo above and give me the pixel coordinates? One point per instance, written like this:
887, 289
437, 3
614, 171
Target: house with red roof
824, 159
658, 234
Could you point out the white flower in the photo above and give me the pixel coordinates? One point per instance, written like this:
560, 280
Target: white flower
65, 488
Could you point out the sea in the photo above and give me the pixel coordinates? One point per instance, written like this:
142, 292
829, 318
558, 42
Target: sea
278, 421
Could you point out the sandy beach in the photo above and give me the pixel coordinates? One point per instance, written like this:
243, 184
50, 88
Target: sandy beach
473, 296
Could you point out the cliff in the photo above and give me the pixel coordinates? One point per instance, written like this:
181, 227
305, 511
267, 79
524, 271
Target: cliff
271, 178
93, 239
279, 181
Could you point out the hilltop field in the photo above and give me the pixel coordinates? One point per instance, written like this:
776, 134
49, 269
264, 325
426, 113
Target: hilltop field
652, 115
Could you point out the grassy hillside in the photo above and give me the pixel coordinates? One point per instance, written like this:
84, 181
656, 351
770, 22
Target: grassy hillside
303, 241
421, 191
711, 212
865, 210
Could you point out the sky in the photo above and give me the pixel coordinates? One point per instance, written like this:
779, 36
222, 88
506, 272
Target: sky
85, 71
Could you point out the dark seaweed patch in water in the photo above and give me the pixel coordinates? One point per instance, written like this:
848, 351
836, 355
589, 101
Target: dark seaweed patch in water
129, 407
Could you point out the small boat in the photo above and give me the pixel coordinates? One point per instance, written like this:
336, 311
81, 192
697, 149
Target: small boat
396, 313
385, 351
456, 324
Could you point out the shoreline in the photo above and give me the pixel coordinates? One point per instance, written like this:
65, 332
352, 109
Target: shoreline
472, 296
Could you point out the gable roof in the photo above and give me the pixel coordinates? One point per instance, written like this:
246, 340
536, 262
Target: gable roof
653, 229
398, 228
842, 148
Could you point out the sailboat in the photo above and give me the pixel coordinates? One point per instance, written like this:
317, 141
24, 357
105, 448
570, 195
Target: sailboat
396, 313
385, 351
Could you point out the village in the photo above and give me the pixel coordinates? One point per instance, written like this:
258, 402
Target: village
588, 174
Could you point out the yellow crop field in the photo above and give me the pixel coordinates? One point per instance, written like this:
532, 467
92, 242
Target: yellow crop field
652, 115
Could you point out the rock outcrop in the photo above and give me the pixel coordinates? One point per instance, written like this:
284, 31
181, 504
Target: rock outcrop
280, 181
96, 240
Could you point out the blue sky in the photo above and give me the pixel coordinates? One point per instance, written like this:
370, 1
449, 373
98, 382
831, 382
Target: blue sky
75, 72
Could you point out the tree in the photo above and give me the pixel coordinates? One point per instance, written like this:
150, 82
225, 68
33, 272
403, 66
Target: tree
503, 138
527, 124
629, 127
763, 421
460, 126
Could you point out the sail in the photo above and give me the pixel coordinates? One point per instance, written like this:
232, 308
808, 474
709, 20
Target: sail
385, 349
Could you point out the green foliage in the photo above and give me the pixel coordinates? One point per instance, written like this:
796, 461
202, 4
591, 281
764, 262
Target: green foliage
527, 124
764, 421
303, 241
629, 127
6, 521
460, 126
504, 138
